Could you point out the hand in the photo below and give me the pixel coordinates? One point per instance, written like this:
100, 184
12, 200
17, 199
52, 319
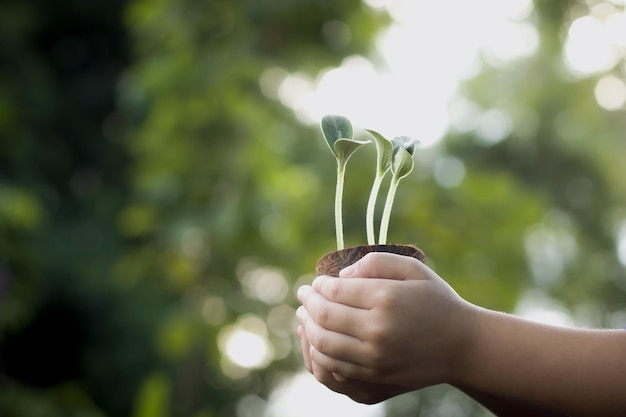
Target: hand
359, 391
393, 322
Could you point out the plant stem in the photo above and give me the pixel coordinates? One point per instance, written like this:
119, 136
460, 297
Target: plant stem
371, 204
384, 223
338, 209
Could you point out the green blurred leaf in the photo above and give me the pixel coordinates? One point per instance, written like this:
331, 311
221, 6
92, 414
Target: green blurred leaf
153, 398
19, 208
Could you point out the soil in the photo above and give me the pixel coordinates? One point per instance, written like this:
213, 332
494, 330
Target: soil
333, 262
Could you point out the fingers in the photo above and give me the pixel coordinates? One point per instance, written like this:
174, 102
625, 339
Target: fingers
337, 345
347, 370
305, 346
355, 293
359, 391
321, 373
387, 265
331, 315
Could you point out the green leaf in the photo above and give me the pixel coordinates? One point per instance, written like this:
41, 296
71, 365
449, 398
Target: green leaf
402, 163
344, 148
405, 142
335, 128
403, 149
384, 152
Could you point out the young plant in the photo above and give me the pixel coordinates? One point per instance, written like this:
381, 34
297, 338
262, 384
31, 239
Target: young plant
337, 131
384, 155
401, 165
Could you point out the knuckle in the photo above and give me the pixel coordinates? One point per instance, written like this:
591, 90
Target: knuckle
368, 260
385, 297
322, 315
376, 334
318, 341
331, 289
376, 357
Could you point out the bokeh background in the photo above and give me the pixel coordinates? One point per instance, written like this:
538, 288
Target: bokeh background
164, 186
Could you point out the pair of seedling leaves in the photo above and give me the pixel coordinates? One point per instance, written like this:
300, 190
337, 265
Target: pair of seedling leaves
395, 156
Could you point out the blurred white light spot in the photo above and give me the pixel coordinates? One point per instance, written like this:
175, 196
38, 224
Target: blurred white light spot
282, 320
449, 171
266, 284
464, 115
494, 126
621, 243
514, 41
549, 247
516, 9
294, 89
616, 27
540, 308
303, 396
214, 311
250, 406
246, 349
588, 47
270, 81
378, 4
407, 91
610, 92
245, 344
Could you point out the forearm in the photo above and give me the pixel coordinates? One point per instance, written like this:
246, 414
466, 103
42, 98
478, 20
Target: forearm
505, 407
579, 372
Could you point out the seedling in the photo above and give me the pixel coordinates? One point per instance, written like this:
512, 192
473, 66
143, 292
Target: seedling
384, 156
401, 166
395, 156
337, 131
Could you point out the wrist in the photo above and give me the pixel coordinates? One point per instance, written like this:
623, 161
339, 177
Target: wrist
465, 342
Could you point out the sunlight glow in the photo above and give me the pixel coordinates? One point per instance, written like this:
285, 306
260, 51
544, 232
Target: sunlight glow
245, 344
303, 396
591, 46
494, 126
610, 92
421, 59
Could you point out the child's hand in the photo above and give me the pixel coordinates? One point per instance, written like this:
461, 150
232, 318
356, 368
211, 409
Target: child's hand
359, 391
389, 320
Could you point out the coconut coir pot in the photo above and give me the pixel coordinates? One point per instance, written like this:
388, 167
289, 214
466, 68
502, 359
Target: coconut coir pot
333, 262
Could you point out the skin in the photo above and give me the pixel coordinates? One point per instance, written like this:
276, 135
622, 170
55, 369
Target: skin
354, 342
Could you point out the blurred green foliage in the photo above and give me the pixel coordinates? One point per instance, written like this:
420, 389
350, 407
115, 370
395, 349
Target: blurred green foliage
154, 199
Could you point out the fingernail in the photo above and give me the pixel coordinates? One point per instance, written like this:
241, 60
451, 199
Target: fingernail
300, 313
301, 293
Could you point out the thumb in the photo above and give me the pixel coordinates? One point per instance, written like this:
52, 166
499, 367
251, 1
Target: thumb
387, 266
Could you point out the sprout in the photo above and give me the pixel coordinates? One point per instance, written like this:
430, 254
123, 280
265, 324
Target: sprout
401, 166
395, 156
337, 131
384, 155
